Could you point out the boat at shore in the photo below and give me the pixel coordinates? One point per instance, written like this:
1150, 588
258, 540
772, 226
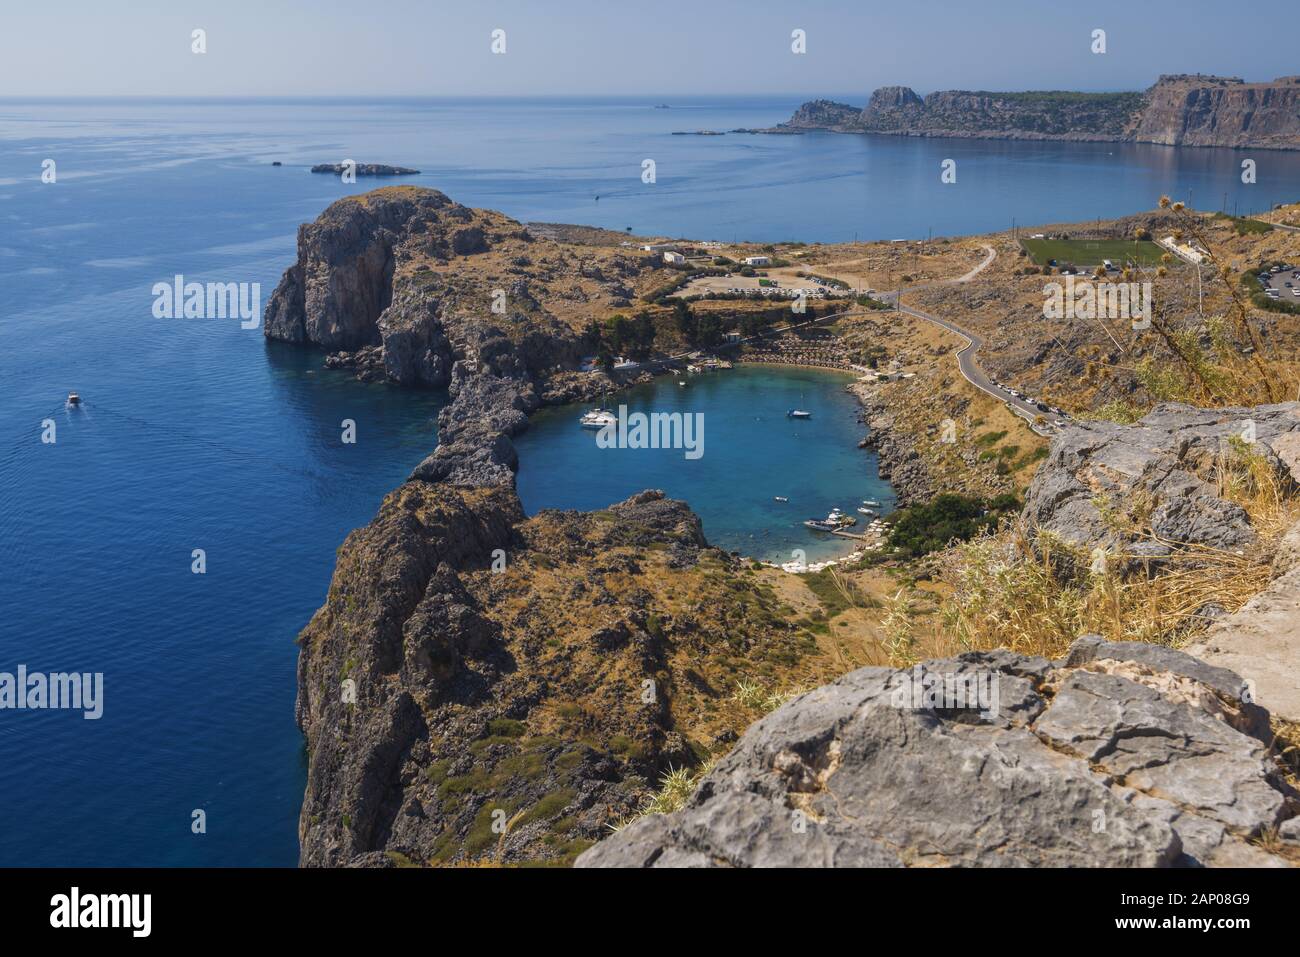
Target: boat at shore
870, 503
598, 419
834, 521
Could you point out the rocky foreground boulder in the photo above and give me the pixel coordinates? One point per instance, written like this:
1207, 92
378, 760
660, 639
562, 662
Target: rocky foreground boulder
1111, 486
1121, 755
1261, 640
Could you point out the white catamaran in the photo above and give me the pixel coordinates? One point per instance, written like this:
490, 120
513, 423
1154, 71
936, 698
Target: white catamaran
598, 419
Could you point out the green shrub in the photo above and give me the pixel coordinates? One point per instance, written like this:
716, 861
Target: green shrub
922, 529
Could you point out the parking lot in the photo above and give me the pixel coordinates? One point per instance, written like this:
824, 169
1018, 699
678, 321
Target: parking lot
1282, 284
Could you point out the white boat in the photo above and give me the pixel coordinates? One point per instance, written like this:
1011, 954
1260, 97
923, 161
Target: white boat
598, 419
780, 498
865, 511
798, 414
871, 502
74, 399
681, 382
834, 520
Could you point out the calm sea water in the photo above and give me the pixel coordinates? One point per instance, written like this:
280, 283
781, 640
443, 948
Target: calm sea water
199, 435
752, 453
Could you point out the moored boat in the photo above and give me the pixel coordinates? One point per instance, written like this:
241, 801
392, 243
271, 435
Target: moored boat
598, 419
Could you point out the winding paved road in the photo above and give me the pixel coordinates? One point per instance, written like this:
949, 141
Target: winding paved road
966, 363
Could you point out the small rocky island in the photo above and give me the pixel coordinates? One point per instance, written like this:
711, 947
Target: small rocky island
365, 169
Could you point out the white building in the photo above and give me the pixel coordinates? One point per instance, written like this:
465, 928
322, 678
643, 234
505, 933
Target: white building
674, 259
758, 261
1183, 251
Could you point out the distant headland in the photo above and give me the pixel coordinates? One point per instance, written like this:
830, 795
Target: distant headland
1178, 110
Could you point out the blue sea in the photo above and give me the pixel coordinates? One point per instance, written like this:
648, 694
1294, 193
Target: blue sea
199, 435
751, 453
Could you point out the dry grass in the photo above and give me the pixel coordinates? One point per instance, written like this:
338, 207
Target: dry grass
675, 787
1025, 591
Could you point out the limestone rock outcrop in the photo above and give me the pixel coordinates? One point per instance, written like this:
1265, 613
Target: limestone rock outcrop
1115, 757
1102, 481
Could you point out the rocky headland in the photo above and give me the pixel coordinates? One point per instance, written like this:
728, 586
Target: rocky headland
483, 686
470, 660
1178, 110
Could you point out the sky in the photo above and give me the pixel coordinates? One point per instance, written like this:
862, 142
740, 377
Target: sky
619, 47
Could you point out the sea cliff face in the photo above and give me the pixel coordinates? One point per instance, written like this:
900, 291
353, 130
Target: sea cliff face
1177, 110
406, 282
1185, 111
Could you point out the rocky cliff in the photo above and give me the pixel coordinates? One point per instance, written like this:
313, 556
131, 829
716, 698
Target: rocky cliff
402, 282
1209, 111
1177, 110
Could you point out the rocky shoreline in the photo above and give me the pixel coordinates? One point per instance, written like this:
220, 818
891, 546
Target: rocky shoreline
482, 686
897, 458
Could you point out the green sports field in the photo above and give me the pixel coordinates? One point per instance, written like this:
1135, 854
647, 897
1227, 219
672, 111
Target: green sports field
1091, 252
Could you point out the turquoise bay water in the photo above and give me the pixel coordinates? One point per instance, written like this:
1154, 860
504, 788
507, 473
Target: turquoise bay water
197, 434
751, 453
